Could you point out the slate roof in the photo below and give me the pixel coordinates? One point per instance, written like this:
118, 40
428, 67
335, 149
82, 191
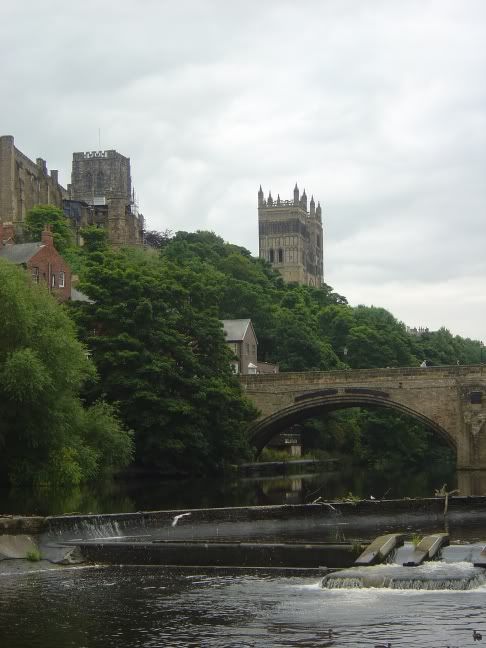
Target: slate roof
20, 252
77, 295
235, 329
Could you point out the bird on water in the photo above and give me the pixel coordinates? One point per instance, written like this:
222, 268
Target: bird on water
477, 636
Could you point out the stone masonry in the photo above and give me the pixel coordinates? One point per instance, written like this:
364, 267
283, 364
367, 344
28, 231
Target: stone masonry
291, 238
100, 192
101, 180
24, 184
450, 400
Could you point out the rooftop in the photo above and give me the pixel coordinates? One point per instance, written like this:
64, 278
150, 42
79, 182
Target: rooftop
20, 252
235, 329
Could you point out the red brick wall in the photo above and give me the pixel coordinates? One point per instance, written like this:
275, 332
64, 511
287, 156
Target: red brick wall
50, 264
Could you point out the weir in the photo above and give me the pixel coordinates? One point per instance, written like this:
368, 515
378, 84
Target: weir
327, 535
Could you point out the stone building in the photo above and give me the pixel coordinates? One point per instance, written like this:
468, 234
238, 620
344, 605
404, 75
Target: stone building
25, 184
101, 193
291, 238
241, 338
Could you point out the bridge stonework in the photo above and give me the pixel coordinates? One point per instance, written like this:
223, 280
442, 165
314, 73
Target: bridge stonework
450, 400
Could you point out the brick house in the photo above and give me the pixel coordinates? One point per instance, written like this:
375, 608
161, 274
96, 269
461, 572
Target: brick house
40, 259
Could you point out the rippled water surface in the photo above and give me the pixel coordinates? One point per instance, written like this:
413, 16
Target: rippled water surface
152, 607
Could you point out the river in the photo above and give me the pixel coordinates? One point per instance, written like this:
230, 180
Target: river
149, 607
152, 607
137, 495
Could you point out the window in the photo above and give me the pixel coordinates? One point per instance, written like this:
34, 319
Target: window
61, 279
280, 256
35, 275
253, 349
272, 256
247, 349
53, 280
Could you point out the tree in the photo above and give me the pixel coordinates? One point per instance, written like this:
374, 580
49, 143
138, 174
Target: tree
156, 239
160, 353
46, 434
40, 216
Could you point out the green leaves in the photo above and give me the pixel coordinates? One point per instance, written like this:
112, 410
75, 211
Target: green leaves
161, 355
46, 434
40, 216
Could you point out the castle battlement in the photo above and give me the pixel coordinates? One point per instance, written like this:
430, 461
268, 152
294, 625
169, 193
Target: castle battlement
97, 155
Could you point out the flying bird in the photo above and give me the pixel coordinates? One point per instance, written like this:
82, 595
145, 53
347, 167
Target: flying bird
177, 518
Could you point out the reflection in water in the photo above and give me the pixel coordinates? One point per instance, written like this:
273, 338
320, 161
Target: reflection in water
471, 482
117, 496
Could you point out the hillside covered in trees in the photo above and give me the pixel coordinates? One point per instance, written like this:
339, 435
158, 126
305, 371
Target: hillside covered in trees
156, 340
159, 368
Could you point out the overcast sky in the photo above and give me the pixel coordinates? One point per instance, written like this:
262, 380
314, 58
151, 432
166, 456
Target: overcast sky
376, 107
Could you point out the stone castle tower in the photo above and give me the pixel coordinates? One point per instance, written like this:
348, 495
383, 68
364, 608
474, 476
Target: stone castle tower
291, 237
102, 180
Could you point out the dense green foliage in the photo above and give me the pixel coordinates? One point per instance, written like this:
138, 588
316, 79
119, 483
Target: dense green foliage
155, 337
40, 216
158, 344
46, 434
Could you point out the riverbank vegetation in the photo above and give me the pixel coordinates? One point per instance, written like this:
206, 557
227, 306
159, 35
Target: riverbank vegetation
47, 433
159, 365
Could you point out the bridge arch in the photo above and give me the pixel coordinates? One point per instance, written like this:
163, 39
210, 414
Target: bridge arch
266, 428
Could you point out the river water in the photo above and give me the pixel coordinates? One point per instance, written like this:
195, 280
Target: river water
130, 607
118, 497
133, 607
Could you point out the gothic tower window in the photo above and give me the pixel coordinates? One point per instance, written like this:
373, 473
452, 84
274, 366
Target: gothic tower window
280, 255
272, 256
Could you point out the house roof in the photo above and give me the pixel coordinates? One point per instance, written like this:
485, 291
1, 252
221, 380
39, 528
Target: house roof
235, 329
77, 295
20, 252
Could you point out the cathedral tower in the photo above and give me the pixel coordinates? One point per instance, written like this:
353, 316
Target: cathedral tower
291, 238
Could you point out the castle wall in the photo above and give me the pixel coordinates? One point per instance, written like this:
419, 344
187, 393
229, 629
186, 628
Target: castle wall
102, 181
24, 183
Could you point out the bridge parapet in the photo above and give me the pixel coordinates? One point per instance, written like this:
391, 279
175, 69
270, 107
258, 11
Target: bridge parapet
450, 399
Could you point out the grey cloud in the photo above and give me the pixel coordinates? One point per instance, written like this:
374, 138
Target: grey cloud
378, 108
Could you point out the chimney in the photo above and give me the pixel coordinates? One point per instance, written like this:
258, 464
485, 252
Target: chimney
47, 238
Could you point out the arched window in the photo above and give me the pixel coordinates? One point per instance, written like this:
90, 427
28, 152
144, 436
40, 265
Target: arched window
280, 255
272, 256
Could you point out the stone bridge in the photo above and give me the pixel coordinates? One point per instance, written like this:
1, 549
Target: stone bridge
449, 400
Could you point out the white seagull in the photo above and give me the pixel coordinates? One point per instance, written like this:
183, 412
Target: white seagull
177, 518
